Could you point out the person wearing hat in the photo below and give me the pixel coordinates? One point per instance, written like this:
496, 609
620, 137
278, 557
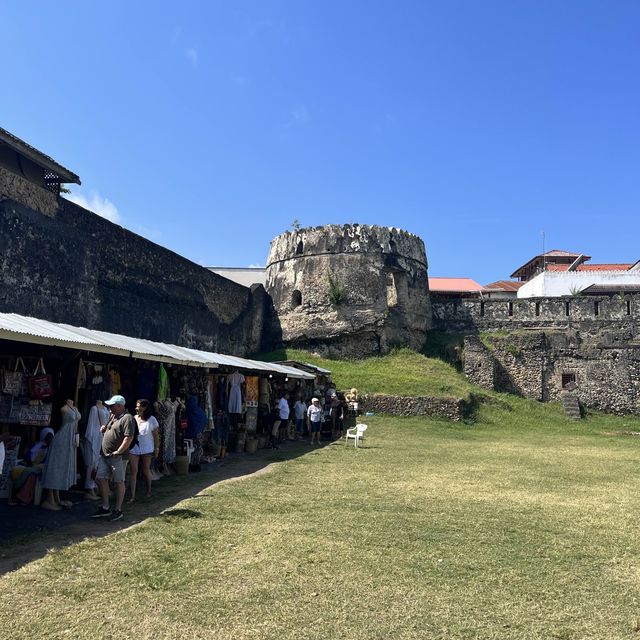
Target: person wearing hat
118, 434
314, 419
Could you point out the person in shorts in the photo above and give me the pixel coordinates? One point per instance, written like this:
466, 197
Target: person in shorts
147, 447
314, 419
117, 435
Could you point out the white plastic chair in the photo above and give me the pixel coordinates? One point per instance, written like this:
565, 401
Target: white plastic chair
188, 448
356, 434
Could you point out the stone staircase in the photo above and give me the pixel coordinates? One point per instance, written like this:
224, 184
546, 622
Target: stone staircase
571, 405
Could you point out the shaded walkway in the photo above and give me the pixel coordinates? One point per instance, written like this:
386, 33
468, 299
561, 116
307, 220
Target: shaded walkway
28, 532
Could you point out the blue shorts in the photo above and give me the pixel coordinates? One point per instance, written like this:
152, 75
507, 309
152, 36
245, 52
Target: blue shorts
315, 427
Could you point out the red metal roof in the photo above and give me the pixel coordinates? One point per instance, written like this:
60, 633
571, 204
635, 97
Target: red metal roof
504, 285
454, 285
592, 267
552, 255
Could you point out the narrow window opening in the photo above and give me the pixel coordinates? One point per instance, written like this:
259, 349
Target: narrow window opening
482, 308
596, 307
300, 248
392, 290
296, 299
567, 378
511, 308
537, 308
566, 308
628, 307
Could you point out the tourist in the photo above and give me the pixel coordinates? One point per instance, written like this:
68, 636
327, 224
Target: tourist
314, 419
145, 449
282, 419
300, 411
336, 414
118, 434
25, 475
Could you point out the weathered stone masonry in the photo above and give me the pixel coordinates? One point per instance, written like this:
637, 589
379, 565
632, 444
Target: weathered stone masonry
14, 187
535, 346
75, 267
379, 281
451, 408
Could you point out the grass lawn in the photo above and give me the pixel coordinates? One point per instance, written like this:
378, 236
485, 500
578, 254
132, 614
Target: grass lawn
522, 525
402, 372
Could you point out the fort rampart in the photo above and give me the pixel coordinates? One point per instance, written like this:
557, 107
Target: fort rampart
534, 347
70, 265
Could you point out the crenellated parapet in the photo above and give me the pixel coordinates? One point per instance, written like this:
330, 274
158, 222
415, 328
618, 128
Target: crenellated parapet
349, 289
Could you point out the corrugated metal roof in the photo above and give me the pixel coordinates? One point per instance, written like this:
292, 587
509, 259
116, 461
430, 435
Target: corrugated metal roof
38, 331
37, 156
554, 253
596, 289
560, 253
295, 364
622, 266
454, 285
504, 285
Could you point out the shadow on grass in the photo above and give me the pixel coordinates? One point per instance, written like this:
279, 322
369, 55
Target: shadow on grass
28, 533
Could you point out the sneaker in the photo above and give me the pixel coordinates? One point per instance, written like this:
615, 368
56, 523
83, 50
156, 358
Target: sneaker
115, 515
102, 513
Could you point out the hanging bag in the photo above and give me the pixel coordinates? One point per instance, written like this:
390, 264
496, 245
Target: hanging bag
15, 382
40, 387
35, 414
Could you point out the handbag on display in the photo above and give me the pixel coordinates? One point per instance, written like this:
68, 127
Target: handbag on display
35, 414
40, 386
15, 382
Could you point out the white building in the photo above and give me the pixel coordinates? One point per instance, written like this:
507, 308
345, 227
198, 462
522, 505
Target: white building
568, 280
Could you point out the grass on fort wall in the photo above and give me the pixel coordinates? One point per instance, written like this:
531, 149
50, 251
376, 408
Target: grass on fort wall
402, 372
522, 526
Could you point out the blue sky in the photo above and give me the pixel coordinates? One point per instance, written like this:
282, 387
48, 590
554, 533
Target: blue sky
209, 127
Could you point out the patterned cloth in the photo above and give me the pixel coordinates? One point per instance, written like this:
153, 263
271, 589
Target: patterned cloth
60, 467
166, 415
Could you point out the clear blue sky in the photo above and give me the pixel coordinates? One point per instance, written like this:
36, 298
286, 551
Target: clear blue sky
210, 126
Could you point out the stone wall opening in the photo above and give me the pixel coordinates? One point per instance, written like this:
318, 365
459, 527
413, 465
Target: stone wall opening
296, 299
397, 290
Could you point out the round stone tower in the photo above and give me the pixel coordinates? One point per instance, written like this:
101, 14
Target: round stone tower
348, 290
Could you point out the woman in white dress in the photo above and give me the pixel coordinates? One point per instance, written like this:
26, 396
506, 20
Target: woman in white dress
145, 449
59, 471
91, 443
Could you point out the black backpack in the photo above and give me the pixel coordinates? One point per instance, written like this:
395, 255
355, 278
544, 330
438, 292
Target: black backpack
136, 433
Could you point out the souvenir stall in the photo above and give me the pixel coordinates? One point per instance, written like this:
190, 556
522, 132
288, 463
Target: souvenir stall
54, 380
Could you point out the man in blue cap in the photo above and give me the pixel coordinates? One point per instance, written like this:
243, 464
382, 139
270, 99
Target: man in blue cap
118, 434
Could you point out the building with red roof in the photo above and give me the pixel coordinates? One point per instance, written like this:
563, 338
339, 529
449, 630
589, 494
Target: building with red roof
563, 273
459, 287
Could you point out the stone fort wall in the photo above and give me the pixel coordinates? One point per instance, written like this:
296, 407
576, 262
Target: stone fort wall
15, 187
70, 265
534, 347
348, 290
469, 315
